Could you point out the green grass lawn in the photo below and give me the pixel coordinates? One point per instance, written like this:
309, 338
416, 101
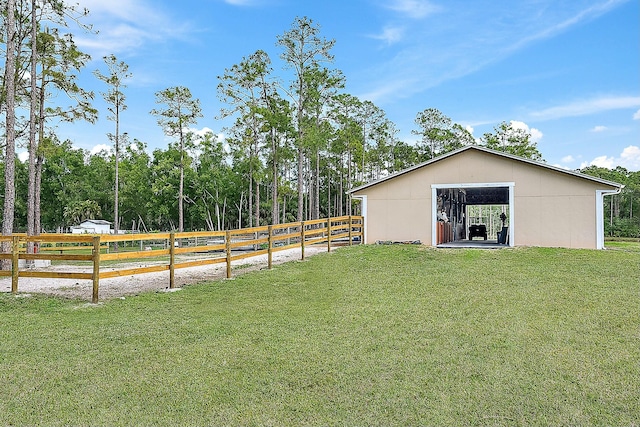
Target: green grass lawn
373, 335
624, 244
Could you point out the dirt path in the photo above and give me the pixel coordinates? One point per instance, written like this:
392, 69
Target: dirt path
130, 285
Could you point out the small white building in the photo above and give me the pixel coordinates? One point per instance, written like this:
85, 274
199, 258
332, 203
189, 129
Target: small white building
92, 226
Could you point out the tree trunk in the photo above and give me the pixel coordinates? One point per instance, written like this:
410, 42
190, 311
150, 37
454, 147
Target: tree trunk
364, 149
284, 210
340, 207
39, 156
300, 184
224, 211
10, 150
218, 210
116, 222
116, 193
37, 226
316, 195
33, 109
309, 185
274, 182
257, 204
181, 189
311, 188
250, 201
349, 183
240, 210
329, 213
611, 215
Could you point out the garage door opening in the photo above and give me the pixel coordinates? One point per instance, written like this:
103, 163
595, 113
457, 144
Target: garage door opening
472, 215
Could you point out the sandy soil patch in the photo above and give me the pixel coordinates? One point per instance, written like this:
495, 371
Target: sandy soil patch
159, 281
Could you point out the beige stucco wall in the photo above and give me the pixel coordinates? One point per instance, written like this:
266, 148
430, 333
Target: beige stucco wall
551, 208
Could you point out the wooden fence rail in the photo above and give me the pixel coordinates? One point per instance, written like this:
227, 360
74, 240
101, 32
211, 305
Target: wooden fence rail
212, 247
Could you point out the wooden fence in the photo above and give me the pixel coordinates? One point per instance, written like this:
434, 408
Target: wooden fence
169, 249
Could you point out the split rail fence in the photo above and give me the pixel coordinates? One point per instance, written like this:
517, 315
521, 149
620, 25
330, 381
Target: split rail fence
169, 251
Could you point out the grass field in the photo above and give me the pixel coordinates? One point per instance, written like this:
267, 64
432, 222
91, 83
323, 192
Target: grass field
632, 245
373, 335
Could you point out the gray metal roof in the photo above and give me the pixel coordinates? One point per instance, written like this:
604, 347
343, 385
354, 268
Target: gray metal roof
97, 221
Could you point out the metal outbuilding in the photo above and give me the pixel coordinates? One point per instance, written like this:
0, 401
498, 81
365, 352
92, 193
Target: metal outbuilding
92, 226
438, 202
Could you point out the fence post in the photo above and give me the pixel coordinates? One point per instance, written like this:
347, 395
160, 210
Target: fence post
270, 246
329, 234
228, 250
96, 269
350, 236
302, 239
172, 260
15, 253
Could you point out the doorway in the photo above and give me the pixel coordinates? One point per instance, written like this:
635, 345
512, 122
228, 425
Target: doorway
473, 214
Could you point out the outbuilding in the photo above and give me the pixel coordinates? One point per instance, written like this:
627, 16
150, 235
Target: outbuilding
92, 226
477, 196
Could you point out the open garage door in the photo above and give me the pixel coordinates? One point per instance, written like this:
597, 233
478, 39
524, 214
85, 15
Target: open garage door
473, 214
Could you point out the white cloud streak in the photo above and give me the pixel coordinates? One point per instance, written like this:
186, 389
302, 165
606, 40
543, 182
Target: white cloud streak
243, 2
439, 51
125, 25
390, 35
552, 30
587, 107
416, 9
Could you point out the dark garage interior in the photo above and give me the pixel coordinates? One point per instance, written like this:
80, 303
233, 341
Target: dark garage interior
472, 216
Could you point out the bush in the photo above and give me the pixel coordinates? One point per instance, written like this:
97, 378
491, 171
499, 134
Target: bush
623, 227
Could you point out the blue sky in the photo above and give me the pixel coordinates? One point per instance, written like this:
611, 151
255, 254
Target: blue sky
567, 70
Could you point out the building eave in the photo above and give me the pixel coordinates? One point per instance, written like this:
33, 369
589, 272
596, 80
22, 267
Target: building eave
493, 152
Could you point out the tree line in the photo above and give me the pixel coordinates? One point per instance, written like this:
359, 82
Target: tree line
293, 151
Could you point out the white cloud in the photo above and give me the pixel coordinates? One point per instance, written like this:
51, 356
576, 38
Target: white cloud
100, 147
124, 25
470, 129
536, 134
631, 156
390, 88
587, 107
124, 10
390, 35
568, 159
629, 159
599, 129
242, 2
601, 162
636, 116
543, 32
416, 9
216, 136
23, 156
491, 33
201, 132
